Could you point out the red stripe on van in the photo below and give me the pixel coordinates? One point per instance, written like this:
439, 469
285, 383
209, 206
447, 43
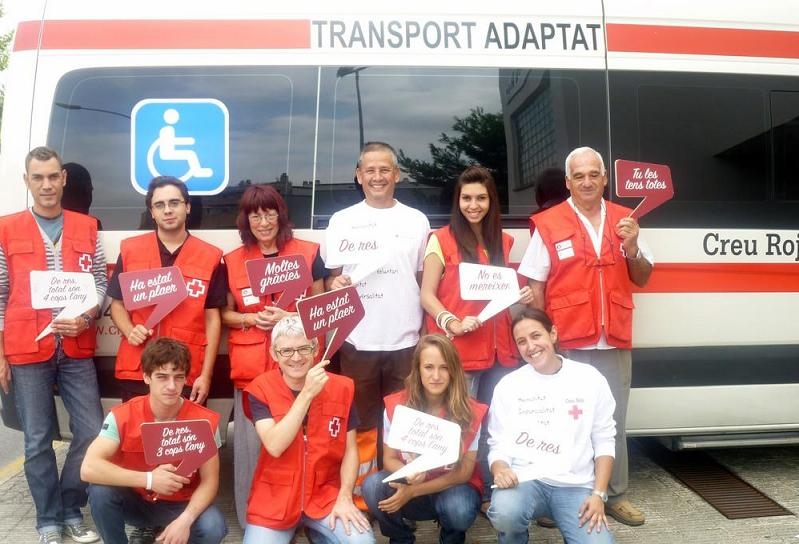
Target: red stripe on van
690, 40
194, 34
723, 278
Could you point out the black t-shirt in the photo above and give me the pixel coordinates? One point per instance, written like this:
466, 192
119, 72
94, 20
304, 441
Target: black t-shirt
217, 288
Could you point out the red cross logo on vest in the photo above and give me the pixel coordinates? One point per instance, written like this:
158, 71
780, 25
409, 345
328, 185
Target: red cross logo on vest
196, 288
575, 412
85, 262
334, 426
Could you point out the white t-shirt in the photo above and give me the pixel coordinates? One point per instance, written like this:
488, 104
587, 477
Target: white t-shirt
390, 295
551, 427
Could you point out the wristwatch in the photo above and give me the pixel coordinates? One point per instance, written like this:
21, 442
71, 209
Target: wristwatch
637, 256
601, 494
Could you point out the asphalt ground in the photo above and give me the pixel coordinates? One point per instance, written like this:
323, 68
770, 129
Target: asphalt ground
675, 514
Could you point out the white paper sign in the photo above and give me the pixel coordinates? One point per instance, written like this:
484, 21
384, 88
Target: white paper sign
75, 292
540, 441
436, 440
497, 284
365, 249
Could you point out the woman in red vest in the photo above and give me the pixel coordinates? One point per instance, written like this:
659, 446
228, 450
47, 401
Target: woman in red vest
450, 494
265, 230
474, 235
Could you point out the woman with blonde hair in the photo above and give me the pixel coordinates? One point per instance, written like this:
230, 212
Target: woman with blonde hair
451, 494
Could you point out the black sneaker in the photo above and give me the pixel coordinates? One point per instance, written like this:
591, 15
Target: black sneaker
144, 535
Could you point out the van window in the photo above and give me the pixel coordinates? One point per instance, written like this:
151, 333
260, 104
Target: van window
725, 137
272, 115
514, 121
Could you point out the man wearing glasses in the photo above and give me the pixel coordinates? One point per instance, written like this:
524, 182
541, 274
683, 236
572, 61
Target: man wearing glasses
195, 321
582, 261
306, 421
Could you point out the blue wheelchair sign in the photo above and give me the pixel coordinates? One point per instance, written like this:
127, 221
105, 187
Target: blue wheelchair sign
184, 138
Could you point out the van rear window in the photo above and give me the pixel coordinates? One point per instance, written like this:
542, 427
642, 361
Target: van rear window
300, 128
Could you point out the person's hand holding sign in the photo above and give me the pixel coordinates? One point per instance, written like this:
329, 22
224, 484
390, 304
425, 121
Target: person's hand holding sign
404, 494
459, 327
340, 281
71, 326
316, 379
627, 229
504, 476
166, 482
138, 335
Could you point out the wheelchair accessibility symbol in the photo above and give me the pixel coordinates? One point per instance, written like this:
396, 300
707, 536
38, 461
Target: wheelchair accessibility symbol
184, 138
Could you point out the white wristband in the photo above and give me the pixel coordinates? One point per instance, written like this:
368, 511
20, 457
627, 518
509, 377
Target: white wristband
149, 481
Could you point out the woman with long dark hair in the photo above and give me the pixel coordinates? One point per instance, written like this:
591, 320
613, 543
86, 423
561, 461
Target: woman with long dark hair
474, 235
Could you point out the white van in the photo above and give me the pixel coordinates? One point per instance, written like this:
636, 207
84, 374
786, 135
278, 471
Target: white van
285, 93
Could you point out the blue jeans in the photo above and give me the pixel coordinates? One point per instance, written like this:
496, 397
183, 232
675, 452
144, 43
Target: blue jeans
513, 509
319, 532
455, 509
485, 394
112, 507
57, 501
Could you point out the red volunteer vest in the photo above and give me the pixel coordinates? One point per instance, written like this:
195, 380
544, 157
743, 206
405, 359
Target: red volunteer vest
130, 455
494, 340
24, 248
467, 437
584, 292
249, 350
186, 323
307, 476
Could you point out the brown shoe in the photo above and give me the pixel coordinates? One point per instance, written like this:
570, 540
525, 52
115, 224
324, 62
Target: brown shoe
546, 522
624, 512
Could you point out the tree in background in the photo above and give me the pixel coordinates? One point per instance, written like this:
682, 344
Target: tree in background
5, 45
481, 141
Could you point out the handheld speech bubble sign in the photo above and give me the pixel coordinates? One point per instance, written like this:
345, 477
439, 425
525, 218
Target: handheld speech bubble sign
186, 444
287, 273
643, 179
75, 292
340, 311
366, 250
497, 284
436, 440
163, 288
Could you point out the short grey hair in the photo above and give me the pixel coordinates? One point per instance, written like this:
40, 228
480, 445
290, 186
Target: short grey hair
581, 151
371, 147
289, 326
41, 154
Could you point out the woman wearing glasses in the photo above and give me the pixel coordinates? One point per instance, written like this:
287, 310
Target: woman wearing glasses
306, 420
265, 231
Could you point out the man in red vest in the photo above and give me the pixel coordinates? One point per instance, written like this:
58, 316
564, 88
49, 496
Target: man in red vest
196, 321
582, 261
47, 237
126, 489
